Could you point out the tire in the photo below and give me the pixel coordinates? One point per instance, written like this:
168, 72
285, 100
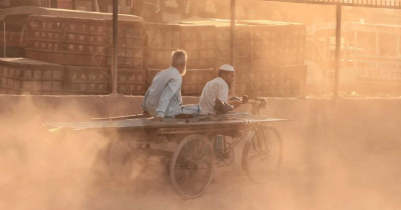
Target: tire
192, 166
123, 162
230, 157
262, 155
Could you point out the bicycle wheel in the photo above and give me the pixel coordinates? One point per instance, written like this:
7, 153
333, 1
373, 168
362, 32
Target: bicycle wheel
262, 155
124, 164
192, 166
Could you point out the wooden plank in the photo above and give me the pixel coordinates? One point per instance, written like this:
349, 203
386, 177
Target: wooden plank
231, 119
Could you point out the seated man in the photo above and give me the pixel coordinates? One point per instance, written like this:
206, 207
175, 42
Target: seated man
163, 97
217, 89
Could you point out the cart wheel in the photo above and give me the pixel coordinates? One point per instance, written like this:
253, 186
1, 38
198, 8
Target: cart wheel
262, 154
228, 156
124, 164
192, 166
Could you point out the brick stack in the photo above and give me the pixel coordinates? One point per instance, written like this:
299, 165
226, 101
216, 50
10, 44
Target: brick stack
281, 81
132, 81
162, 39
83, 46
13, 37
131, 55
67, 41
242, 53
25, 76
195, 79
85, 80
277, 57
131, 45
269, 56
198, 41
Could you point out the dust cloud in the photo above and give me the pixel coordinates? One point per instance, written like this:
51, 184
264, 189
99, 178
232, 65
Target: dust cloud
39, 169
336, 156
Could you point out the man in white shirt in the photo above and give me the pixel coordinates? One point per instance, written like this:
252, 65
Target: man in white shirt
163, 97
217, 88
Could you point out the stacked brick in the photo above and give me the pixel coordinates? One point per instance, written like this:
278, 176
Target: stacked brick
73, 56
25, 76
131, 55
277, 57
198, 41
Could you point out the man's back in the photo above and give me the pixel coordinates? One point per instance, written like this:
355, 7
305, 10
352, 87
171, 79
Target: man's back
166, 83
216, 88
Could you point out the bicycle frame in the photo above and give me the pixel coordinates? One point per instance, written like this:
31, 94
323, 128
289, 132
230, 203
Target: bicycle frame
257, 104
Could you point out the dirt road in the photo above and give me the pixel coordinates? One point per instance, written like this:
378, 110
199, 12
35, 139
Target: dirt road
343, 156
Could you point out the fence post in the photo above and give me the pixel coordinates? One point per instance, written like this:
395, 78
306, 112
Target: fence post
114, 60
338, 50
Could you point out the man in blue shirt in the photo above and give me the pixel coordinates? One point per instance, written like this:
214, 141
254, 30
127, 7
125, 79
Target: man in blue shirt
163, 97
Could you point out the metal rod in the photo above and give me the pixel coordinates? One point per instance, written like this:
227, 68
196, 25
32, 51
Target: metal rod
114, 60
5, 38
53, 3
338, 50
232, 44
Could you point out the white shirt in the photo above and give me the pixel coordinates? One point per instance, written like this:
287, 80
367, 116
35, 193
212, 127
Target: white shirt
164, 94
216, 88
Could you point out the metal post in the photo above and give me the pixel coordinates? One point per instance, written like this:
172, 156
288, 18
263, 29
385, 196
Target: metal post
73, 4
232, 43
338, 50
5, 38
53, 3
114, 60
399, 44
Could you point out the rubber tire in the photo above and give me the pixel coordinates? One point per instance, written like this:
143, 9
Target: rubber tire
174, 160
249, 144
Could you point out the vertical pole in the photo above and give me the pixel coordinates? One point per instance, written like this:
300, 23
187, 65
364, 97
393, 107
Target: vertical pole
355, 53
53, 3
232, 43
73, 4
338, 50
114, 60
377, 44
93, 3
5, 38
399, 45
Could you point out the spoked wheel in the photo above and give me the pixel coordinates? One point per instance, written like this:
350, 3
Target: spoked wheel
228, 156
262, 154
124, 162
192, 165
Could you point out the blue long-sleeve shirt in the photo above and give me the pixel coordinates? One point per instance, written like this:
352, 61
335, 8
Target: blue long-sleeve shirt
164, 94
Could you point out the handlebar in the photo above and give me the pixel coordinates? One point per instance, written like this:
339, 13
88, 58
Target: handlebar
260, 102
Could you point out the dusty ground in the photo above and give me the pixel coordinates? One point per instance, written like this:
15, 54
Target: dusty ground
335, 157
323, 179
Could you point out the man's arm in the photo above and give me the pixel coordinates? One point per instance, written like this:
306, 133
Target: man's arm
171, 88
223, 96
223, 93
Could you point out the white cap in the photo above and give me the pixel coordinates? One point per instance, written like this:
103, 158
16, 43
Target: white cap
227, 67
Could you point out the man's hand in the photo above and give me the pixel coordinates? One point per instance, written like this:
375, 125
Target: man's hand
157, 119
235, 104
